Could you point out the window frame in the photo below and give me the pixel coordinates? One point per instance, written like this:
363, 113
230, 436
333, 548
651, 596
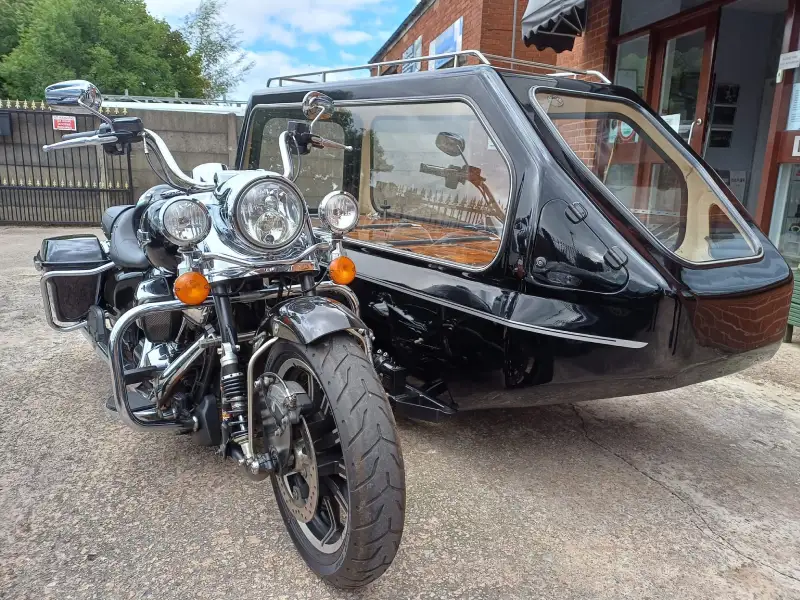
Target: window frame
512, 199
732, 213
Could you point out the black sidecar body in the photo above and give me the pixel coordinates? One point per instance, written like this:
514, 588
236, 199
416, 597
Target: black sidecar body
531, 237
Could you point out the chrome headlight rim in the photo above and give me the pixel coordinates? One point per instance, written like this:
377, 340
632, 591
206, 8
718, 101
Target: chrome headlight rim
172, 238
323, 216
233, 214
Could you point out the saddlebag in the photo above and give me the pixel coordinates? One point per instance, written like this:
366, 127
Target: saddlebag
72, 295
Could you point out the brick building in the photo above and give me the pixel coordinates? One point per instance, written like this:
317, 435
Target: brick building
707, 66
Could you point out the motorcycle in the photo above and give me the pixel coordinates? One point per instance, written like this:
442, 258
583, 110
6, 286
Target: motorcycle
224, 316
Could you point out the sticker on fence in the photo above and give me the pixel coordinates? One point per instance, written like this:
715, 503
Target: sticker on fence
64, 123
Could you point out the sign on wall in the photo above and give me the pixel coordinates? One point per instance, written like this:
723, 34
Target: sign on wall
64, 123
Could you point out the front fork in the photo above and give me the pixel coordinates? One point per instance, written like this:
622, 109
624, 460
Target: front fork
233, 382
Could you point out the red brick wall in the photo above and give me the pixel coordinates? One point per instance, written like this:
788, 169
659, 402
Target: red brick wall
497, 32
435, 20
591, 50
488, 27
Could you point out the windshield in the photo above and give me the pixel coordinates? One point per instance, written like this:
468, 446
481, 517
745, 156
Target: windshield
646, 171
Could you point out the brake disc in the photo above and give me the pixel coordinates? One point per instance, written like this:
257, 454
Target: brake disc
300, 487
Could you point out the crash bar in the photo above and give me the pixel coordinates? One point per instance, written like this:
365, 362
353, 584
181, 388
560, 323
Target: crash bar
480, 57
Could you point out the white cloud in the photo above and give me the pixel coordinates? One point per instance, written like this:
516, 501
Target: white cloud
347, 57
314, 46
349, 37
276, 63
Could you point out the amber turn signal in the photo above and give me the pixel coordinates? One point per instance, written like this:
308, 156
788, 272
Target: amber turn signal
192, 288
342, 270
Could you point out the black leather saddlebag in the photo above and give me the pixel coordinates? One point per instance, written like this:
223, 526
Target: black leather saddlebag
72, 295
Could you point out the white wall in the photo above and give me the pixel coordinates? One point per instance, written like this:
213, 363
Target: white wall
745, 55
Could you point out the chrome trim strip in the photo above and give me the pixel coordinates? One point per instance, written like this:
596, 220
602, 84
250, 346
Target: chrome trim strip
640, 227
250, 391
256, 262
482, 58
48, 306
569, 335
511, 200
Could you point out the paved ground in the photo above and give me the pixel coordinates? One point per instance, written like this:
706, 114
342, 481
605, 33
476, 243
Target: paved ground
686, 494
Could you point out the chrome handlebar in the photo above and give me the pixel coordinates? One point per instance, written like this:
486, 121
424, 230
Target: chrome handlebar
93, 139
152, 141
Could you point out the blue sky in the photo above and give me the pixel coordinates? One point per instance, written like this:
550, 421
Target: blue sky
289, 36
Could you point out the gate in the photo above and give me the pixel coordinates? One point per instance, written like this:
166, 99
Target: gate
66, 187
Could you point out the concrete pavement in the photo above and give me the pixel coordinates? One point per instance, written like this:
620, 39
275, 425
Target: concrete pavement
686, 494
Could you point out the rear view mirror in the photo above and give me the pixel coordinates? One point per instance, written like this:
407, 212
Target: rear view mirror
451, 144
317, 106
77, 96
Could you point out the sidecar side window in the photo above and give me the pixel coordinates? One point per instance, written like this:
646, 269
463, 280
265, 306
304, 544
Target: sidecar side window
650, 175
434, 182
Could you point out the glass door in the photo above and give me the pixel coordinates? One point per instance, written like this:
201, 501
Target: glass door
682, 82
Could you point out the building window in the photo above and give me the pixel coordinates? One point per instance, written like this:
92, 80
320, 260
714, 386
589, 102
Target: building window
641, 13
413, 51
448, 41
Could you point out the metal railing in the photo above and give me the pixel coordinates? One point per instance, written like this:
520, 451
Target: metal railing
460, 59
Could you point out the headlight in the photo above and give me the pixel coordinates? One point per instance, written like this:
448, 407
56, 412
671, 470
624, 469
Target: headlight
269, 213
185, 222
338, 211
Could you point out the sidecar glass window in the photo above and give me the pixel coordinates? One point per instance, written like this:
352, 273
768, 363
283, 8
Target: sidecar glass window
429, 178
648, 173
320, 173
437, 183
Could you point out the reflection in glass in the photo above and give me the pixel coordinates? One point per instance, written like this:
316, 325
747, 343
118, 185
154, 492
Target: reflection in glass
680, 86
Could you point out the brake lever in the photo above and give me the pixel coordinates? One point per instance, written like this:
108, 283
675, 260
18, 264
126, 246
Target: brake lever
93, 140
321, 142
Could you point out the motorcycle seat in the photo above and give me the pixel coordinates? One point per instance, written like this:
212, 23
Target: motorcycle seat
125, 250
109, 216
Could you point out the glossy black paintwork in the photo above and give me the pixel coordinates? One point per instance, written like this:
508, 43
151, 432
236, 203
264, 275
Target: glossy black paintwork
609, 313
309, 318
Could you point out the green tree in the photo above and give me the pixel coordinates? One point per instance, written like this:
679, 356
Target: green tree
218, 45
15, 14
115, 44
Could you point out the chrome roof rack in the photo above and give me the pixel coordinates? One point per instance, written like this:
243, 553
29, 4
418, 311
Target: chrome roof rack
475, 55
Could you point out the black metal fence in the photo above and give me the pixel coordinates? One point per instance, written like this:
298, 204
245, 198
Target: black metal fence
70, 187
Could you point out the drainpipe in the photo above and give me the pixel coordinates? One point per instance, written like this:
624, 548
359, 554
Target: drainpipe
514, 33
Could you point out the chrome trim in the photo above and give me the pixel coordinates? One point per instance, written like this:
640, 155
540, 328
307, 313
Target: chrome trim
230, 211
482, 58
553, 70
181, 179
569, 335
167, 380
158, 221
250, 394
641, 227
323, 216
116, 346
512, 200
45, 291
257, 262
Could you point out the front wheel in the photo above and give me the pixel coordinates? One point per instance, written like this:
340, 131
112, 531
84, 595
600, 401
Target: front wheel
343, 500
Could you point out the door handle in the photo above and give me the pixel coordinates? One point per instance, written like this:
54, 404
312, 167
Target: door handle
697, 122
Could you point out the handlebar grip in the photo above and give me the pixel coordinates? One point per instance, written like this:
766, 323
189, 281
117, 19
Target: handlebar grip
431, 170
80, 134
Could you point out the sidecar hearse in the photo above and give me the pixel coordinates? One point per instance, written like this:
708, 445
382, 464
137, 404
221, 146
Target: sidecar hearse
529, 237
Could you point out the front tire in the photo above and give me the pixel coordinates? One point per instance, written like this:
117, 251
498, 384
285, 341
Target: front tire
361, 477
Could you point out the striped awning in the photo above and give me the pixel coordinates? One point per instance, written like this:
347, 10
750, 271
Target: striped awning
554, 23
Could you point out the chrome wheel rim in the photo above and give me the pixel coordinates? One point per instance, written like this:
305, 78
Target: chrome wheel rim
319, 463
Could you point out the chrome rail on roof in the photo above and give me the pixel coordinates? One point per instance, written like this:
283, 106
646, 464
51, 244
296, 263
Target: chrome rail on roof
480, 57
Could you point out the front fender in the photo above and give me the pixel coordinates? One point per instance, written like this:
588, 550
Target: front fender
309, 318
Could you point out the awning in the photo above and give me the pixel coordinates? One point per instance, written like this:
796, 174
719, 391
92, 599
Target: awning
554, 23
